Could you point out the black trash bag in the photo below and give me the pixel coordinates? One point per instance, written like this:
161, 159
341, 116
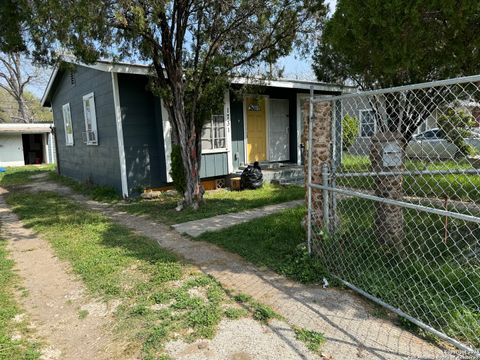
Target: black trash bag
252, 177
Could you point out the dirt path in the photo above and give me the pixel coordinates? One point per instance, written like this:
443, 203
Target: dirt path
55, 298
351, 330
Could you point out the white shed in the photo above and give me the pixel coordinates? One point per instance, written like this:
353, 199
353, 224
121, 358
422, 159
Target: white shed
25, 144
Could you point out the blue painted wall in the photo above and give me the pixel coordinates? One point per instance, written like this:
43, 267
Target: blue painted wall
96, 163
142, 132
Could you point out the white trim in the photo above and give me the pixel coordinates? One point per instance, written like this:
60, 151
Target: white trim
67, 107
53, 75
46, 157
142, 69
215, 151
293, 84
16, 128
167, 140
51, 145
300, 96
245, 137
121, 146
228, 130
93, 118
360, 123
267, 127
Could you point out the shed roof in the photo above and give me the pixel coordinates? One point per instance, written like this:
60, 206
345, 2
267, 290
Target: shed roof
39, 128
142, 69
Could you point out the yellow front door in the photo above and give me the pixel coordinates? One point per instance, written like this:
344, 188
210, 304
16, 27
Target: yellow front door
256, 129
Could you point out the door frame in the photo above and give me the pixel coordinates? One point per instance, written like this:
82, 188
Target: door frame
289, 129
300, 96
267, 124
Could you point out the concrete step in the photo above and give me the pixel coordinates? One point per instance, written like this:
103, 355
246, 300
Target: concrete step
290, 181
279, 173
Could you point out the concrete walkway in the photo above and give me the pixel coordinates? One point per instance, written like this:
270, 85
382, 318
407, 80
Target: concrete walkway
196, 228
346, 320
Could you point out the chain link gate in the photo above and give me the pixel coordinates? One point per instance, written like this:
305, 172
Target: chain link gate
394, 201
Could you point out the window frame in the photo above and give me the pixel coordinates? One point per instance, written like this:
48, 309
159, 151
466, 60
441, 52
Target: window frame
360, 117
215, 150
66, 107
93, 118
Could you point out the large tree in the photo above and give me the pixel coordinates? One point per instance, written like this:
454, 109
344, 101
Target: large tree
194, 48
14, 80
379, 44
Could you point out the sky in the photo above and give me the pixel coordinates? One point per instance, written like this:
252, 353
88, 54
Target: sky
301, 68
295, 67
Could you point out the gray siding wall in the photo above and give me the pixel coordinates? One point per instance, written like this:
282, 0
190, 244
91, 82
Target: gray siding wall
97, 163
213, 165
142, 132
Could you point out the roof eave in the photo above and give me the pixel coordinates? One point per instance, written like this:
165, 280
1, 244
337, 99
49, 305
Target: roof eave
46, 94
292, 84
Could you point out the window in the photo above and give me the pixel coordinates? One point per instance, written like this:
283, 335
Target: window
67, 121
91, 137
213, 134
367, 123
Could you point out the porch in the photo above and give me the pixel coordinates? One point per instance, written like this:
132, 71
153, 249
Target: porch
279, 173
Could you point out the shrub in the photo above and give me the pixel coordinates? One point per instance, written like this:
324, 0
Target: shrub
350, 130
454, 124
177, 171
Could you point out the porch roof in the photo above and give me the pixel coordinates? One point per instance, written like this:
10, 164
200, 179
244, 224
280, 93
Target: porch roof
25, 128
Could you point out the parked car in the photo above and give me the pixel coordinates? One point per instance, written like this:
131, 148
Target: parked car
432, 144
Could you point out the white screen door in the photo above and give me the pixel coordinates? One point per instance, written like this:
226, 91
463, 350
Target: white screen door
279, 130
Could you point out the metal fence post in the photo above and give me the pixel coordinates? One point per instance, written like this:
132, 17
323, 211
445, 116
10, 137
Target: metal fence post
309, 180
325, 183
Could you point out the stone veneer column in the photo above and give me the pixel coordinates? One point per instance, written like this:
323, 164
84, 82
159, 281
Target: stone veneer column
321, 153
389, 223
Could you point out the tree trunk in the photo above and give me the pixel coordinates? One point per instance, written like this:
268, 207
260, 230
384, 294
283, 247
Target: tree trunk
22, 109
188, 139
389, 220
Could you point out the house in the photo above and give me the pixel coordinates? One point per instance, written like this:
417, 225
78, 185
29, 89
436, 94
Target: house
25, 144
367, 116
111, 130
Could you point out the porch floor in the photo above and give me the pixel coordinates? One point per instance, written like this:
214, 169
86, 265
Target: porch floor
280, 173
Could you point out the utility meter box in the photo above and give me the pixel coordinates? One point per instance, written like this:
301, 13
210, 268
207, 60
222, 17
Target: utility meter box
391, 155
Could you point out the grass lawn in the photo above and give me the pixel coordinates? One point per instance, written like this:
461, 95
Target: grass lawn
163, 209
276, 241
432, 280
216, 203
10, 346
21, 175
436, 278
161, 297
455, 186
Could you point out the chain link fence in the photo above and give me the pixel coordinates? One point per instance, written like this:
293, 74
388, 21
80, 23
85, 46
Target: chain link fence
395, 211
